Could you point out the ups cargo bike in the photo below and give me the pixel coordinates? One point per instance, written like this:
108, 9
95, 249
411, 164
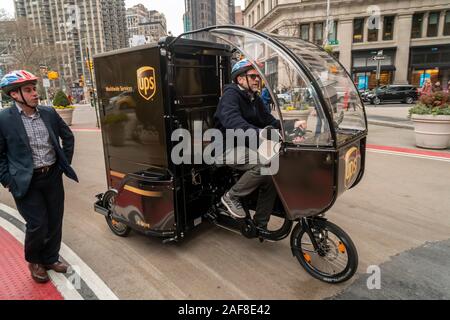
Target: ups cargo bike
147, 92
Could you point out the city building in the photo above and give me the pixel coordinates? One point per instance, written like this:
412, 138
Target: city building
239, 16
203, 13
414, 35
77, 29
145, 26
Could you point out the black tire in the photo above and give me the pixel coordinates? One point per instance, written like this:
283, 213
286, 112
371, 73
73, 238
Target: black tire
118, 228
376, 101
409, 100
281, 101
345, 244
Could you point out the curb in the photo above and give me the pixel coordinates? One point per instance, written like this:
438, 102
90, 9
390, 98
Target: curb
390, 124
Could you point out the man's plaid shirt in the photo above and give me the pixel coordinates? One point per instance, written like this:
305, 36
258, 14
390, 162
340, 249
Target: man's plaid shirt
41, 146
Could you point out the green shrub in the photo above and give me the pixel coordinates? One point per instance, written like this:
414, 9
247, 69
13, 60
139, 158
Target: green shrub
61, 100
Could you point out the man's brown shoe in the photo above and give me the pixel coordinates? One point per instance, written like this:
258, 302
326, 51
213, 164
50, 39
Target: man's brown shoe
59, 267
38, 273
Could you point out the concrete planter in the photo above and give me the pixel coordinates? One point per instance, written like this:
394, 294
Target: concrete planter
66, 115
432, 132
295, 114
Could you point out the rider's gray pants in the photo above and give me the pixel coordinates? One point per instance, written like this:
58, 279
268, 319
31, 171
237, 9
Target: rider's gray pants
248, 161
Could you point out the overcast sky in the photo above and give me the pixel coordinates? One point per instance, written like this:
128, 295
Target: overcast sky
172, 9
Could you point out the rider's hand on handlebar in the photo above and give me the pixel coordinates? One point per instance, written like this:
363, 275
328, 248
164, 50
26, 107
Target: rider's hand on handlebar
298, 132
300, 124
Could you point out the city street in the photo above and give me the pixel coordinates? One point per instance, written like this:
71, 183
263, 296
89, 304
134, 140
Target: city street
401, 207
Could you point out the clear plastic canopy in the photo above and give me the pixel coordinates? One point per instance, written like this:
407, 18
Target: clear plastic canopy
304, 82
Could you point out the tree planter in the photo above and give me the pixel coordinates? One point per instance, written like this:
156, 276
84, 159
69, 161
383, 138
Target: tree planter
66, 115
432, 132
296, 114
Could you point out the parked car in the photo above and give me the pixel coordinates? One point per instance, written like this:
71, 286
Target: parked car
284, 98
393, 93
364, 94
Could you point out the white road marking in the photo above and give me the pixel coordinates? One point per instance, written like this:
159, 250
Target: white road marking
98, 287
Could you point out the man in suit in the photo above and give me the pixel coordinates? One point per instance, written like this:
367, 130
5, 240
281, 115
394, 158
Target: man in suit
31, 166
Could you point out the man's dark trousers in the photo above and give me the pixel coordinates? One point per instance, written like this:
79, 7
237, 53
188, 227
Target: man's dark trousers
42, 208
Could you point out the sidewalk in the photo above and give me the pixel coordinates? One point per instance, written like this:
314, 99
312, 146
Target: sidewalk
84, 117
392, 116
15, 279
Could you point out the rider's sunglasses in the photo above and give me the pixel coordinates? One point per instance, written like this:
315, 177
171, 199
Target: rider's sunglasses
254, 76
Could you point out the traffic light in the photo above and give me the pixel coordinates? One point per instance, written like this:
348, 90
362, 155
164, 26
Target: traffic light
81, 81
90, 64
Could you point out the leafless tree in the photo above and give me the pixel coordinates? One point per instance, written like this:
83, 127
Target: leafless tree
28, 47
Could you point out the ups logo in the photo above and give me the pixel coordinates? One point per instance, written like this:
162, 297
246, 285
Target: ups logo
146, 82
352, 164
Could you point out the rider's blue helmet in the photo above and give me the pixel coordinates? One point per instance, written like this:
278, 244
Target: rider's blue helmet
240, 67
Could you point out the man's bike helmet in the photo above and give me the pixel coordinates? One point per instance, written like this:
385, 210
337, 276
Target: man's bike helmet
16, 79
240, 67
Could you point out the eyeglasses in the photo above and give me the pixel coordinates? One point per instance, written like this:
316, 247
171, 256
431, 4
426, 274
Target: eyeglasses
254, 76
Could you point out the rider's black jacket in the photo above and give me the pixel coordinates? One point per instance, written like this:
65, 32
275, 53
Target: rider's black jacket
238, 109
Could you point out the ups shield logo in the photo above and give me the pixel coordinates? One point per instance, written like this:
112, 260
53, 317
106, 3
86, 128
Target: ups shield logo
352, 166
146, 82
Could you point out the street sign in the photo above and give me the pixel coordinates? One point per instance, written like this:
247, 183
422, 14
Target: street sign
46, 83
52, 75
378, 58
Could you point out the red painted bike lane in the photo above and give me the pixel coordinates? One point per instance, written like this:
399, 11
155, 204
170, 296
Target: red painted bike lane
15, 279
421, 152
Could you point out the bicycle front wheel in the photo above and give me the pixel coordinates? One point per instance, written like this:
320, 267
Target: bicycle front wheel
334, 261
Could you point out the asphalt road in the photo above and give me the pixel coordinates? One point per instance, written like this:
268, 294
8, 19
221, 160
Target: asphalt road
401, 204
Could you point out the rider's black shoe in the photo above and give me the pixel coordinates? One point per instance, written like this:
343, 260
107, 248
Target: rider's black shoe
234, 206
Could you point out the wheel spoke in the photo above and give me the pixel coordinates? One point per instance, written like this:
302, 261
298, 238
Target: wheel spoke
334, 260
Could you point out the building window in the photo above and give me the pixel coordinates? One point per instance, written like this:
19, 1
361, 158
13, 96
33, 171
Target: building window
416, 30
318, 33
388, 28
433, 23
372, 34
304, 32
258, 11
332, 34
358, 30
447, 24
262, 8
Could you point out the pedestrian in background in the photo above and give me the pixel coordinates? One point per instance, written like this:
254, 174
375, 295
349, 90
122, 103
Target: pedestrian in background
427, 87
437, 87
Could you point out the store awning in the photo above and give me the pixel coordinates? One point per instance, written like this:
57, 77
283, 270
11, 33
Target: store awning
372, 68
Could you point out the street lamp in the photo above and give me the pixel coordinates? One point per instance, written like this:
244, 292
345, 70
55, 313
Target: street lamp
327, 25
378, 58
93, 98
